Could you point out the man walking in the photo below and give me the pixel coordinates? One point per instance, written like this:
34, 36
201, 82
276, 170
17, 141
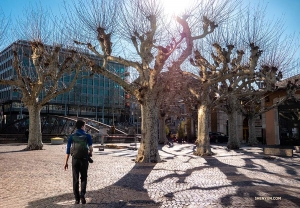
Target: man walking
80, 147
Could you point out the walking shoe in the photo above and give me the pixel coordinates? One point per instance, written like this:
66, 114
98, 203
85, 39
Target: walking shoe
77, 201
90, 160
83, 201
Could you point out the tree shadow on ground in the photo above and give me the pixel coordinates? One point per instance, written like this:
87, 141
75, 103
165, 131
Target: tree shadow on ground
129, 191
13, 144
247, 186
126, 192
250, 187
13, 151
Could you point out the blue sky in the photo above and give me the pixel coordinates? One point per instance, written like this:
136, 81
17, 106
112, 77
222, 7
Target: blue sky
290, 9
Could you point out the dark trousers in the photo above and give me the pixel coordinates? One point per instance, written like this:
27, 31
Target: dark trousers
79, 166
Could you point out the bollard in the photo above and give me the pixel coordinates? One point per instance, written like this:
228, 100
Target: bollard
101, 148
135, 145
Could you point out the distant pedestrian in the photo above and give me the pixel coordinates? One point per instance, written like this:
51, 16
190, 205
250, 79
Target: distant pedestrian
170, 140
80, 144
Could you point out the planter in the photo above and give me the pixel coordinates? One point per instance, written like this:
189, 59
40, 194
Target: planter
57, 140
278, 151
297, 148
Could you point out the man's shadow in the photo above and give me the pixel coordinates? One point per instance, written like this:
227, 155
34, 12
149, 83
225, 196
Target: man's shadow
126, 192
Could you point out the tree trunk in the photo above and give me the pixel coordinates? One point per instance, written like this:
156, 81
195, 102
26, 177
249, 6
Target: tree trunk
233, 140
252, 141
148, 151
35, 133
202, 142
162, 130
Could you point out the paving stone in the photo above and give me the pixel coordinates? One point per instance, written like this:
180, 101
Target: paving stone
227, 179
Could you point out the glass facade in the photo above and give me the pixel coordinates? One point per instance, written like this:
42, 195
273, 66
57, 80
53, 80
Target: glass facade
94, 97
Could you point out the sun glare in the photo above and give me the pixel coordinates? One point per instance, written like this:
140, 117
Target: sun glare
175, 7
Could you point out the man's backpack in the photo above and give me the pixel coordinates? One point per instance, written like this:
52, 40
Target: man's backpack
79, 146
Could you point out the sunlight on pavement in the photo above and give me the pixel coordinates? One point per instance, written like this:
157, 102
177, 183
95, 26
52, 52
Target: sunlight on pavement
229, 178
189, 180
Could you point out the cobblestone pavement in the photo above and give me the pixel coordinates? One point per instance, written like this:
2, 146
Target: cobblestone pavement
242, 178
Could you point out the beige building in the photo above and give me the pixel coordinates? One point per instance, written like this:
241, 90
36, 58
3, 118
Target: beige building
278, 126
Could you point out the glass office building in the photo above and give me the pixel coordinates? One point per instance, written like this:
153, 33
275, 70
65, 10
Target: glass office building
95, 97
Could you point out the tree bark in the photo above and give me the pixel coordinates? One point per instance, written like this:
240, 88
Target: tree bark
35, 133
252, 141
202, 142
148, 151
233, 140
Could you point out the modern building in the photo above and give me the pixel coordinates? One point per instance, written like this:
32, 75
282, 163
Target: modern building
95, 97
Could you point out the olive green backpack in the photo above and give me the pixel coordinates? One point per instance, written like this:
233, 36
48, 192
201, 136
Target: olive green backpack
79, 148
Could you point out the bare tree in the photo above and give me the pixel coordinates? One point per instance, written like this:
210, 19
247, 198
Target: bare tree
172, 99
235, 63
224, 68
3, 27
42, 82
179, 101
274, 54
156, 45
41, 79
238, 90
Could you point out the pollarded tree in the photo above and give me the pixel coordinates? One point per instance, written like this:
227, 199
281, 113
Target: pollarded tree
225, 66
230, 68
227, 77
143, 28
233, 91
270, 55
40, 80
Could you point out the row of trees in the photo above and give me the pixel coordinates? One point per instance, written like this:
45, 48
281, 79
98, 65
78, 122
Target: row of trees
214, 52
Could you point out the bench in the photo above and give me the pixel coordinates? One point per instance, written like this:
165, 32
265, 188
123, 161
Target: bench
278, 151
119, 138
115, 138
